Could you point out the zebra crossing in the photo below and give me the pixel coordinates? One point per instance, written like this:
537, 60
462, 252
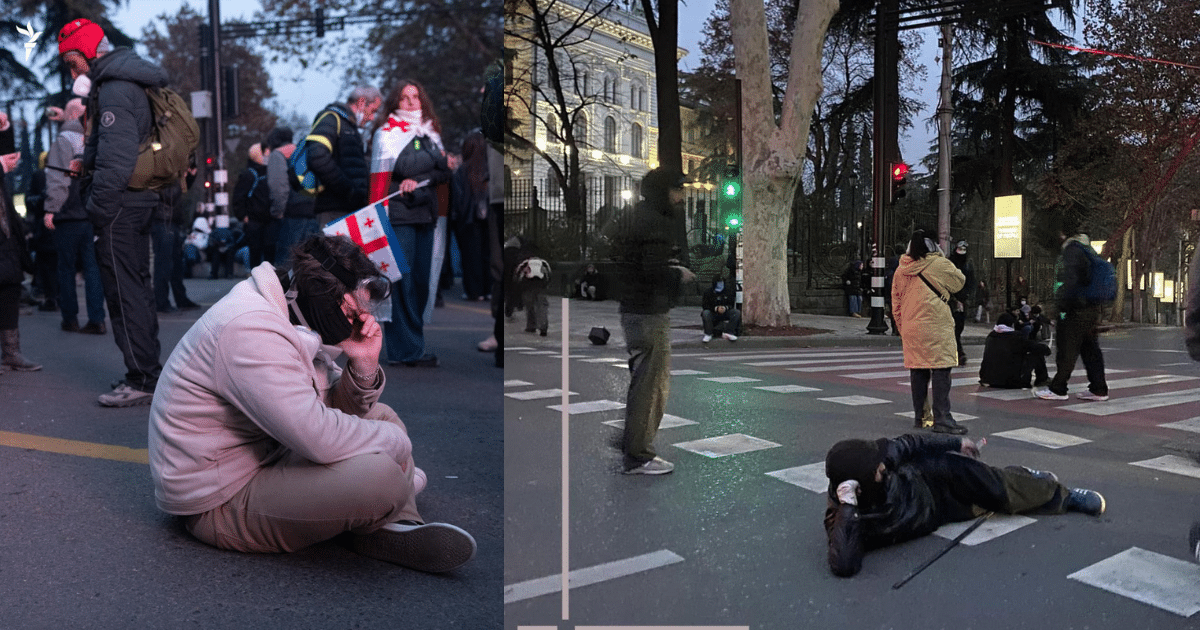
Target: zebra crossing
1132, 573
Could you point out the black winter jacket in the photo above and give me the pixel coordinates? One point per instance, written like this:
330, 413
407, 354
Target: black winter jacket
712, 299
343, 172
251, 195
14, 256
1003, 357
421, 160
645, 244
911, 509
119, 115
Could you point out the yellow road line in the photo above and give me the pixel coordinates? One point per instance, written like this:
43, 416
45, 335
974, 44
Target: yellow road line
75, 447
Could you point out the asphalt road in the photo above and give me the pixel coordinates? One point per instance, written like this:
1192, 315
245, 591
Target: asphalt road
734, 538
83, 546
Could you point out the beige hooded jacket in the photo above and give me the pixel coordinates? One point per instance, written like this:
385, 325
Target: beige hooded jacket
241, 389
923, 318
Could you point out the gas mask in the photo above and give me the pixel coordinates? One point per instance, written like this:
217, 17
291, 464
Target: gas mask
323, 313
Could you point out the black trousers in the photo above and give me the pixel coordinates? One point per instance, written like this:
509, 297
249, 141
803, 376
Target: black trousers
1077, 339
123, 254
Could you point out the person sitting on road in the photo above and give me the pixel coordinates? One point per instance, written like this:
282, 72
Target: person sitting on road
591, 284
718, 309
887, 491
263, 444
1010, 358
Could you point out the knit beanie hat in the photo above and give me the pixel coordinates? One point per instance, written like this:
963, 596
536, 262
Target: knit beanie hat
279, 137
83, 36
854, 459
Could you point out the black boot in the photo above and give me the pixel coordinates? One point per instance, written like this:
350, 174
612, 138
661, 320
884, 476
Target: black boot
949, 426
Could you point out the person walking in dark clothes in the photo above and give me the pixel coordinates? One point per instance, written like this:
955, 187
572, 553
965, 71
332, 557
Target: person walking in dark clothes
119, 110
852, 287
1010, 358
651, 283
1078, 318
41, 243
962, 299
887, 491
166, 232
251, 202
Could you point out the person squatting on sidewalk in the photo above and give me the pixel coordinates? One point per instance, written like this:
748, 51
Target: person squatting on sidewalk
921, 292
262, 444
887, 491
651, 283
718, 307
114, 82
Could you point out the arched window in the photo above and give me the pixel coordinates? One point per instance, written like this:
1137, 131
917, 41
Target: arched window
610, 135
635, 140
581, 130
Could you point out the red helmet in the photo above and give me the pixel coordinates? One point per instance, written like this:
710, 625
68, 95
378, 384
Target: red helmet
82, 36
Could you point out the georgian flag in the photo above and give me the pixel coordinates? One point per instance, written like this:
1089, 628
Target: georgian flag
369, 227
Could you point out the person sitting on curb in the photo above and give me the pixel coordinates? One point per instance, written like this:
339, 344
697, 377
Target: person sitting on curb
1010, 358
262, 444
718, 309
887, 491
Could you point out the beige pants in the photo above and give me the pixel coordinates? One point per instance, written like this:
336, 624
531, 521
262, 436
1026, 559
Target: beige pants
295, 503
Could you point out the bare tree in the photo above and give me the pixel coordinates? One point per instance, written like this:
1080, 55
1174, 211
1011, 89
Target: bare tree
774, 145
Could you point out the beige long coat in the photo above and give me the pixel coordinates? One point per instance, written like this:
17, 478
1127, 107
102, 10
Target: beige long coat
924, 320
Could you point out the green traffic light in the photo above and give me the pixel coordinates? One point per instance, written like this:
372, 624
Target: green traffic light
732, 189
734, 221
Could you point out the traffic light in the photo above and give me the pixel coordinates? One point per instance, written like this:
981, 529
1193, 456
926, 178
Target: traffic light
731, 199
899, 177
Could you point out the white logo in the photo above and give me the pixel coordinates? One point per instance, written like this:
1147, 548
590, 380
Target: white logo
28, 32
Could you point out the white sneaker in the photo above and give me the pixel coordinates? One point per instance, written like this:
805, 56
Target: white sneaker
431, 547
1091, 396
125, 396
656, 466
729, 337
1046, 394
707, 338
488, 345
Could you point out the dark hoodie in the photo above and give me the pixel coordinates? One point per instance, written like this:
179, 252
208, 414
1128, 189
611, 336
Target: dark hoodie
119, 115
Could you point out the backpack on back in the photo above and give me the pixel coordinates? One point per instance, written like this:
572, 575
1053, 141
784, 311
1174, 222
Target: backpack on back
163, 157
1103, 287
302, 177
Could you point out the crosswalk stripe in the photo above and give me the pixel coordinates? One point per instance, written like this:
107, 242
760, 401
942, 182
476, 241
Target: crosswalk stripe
809, 476
855, 400
994, 527
835, 368
730, 379
687, 372
605, 360
1191, 424
1141, 381
960, 417
788, 389
741, 356
587, 576
1172, 464
590, 406
1136, 403
1148, 577
668, 422
537, 394
838, 359
516, 383
721, 446
1042, 437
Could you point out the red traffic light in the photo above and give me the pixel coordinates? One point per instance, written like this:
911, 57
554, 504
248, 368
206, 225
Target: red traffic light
899, 171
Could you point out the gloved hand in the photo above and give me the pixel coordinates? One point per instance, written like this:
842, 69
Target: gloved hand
847, 492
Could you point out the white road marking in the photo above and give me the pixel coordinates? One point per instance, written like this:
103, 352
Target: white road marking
516, 383
546, 353
1172, 464
686, 372
1191, 424
1122, 383
724, 445
790, 355
590, 406
838, 358
994, 527
1151, 578
810, 476
537, 394
788, 389
518, 348
668, 422
590, 575
841, 367
961, 417
1136, 403
1042, 437
855, 400
605, 360
731, 379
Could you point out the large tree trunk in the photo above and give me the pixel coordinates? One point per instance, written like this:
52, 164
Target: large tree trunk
772, 152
